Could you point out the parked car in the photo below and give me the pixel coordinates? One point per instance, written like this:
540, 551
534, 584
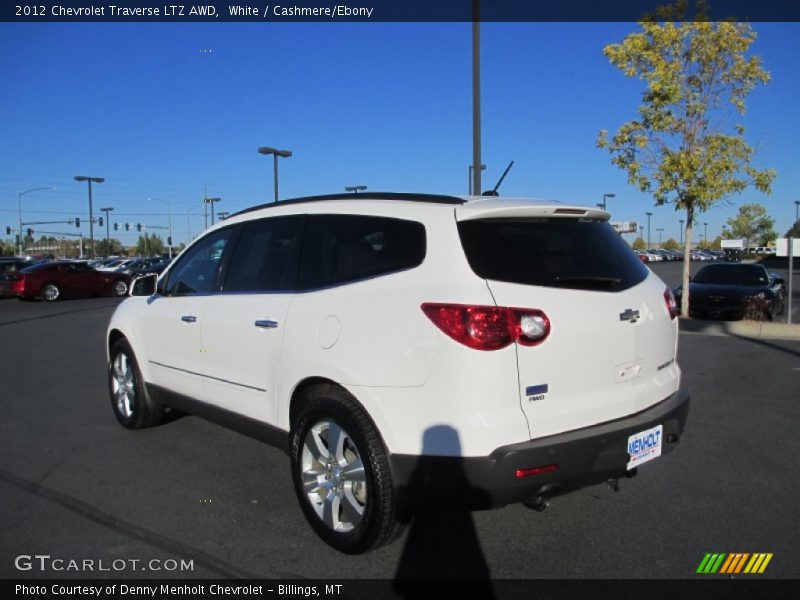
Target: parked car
8, 267
54, 280
420, 349
14, 264
139, 266
733, 291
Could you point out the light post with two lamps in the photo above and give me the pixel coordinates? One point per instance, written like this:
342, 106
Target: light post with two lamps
81, 178
266, 150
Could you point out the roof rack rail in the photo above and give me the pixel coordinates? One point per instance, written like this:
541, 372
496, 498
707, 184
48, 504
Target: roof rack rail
407, 197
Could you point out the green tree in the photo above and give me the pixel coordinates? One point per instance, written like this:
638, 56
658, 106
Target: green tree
639, 244
149, 245
112, 247
752, 224
680, 149
671, 244
794, 230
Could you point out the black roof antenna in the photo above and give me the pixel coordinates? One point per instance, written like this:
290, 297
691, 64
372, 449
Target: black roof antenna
493, 192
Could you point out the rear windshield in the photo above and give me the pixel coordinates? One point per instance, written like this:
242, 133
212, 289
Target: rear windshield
579, 254
732, 274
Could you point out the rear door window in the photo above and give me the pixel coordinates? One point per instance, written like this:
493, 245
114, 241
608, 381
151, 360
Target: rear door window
583, 254
340, 249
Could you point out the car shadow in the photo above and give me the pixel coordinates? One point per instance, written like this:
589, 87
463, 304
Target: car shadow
442, 542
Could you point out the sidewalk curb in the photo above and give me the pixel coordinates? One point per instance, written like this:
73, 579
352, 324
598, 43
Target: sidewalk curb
747, 329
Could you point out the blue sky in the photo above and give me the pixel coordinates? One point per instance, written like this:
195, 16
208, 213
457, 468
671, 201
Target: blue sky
161, 110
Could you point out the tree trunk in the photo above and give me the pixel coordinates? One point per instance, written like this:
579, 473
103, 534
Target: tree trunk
687, 261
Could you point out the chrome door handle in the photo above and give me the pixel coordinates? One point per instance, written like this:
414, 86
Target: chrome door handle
266, 323
189, 319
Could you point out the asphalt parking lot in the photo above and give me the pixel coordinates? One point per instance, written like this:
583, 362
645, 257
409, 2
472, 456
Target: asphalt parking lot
75, 485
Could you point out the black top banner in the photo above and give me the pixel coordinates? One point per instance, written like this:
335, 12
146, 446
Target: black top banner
385, 10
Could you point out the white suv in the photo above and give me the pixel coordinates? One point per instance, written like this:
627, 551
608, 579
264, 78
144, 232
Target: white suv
411, 349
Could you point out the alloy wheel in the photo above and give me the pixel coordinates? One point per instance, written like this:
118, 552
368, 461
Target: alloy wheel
333, 476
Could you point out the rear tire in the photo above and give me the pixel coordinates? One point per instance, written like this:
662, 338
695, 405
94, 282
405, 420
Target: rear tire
50, 292
344, 490
119, 288
129, 399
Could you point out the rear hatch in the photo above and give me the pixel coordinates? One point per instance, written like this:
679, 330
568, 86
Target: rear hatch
612, 343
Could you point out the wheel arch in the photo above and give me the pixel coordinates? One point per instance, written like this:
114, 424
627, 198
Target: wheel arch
113, 337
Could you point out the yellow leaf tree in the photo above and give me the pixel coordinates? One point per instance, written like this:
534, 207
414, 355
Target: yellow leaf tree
681, 148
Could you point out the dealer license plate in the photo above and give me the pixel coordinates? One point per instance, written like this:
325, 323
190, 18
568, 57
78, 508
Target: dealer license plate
644, 446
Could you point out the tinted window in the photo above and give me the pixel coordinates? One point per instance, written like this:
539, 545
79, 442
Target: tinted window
41, 267
79, 268
569, 253
344, 248
265, 258
732, 274
198, 268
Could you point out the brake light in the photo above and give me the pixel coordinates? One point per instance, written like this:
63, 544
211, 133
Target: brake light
17, 282
489, 327
672, 306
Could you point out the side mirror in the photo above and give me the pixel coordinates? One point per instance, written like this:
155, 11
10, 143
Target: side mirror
144, 285
778, 280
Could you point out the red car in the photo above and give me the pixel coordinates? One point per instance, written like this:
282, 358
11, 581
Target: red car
60, 279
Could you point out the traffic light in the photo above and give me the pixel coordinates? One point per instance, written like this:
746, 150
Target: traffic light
127, 226
138, 227
169, 240
77, 222
8, 230
116, 226
30, 232
100, 221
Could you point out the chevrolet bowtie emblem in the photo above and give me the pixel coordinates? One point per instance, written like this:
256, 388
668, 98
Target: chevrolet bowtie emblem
629, 315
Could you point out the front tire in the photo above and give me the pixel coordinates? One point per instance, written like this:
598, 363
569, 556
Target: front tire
341, 473
129, 399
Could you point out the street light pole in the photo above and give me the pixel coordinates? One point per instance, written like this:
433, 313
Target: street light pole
212, 201
476, 97
483, 168
705, 233
796, 211
607, 196
659, 230
108, 228
266, 150
19, 207
355, 188
91, 215
649, 214
681, 221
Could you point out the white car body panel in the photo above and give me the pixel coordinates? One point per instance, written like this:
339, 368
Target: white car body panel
372, 338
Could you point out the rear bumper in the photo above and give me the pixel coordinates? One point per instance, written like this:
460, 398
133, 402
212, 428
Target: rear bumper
584, 457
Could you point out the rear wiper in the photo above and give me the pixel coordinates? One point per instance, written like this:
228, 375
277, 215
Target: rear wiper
589, 279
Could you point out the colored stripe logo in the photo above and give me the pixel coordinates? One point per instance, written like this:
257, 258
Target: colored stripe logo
734, 563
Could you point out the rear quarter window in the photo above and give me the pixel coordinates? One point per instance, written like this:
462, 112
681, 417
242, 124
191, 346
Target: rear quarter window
581, 254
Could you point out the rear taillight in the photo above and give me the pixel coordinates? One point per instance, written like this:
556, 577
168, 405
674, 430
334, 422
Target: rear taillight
672, 306
489, 327
17, 282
